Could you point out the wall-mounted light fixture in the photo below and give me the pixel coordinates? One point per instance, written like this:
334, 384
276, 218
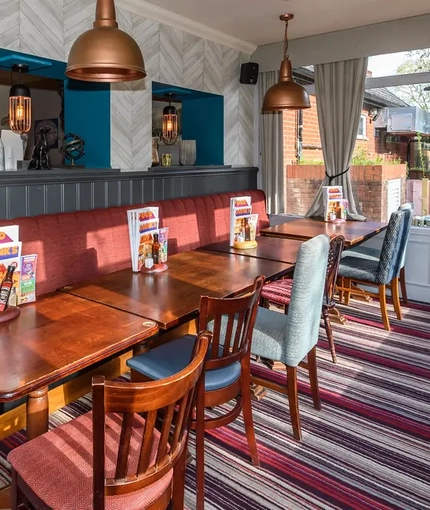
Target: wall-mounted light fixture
286, 94
20, 103
170, 123
105, 53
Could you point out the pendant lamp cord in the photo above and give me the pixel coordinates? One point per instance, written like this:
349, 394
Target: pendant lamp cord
286, 56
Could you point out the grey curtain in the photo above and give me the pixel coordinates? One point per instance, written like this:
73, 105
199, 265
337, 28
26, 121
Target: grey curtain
339, 88
272, 172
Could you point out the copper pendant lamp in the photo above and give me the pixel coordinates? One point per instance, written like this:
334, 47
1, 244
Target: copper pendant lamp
105, 53
286, 94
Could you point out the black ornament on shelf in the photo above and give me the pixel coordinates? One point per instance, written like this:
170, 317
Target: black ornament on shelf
40, 155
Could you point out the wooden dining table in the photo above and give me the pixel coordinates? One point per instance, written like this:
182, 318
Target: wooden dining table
355, 232
55, 337
269, 248
172, 297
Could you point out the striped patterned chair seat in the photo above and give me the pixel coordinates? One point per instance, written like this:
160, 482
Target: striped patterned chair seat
278, 292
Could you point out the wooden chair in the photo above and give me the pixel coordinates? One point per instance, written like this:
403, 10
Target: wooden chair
291, 339
112, 457
227, 367
382, 271
279, 292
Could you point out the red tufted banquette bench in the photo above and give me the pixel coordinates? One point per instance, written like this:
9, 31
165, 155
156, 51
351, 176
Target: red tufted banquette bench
73, 247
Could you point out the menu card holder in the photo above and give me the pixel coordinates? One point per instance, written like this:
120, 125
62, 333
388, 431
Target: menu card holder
156, 268
10, 313
245, 245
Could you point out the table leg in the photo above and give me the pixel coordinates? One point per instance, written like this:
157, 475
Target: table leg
258, 392
37, 413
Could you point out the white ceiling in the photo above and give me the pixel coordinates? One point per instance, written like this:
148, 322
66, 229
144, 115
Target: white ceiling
257, 21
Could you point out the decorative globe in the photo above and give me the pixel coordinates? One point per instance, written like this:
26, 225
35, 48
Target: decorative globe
73, 147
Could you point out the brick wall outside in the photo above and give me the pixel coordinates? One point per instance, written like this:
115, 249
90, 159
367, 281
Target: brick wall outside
311, 135
369, 185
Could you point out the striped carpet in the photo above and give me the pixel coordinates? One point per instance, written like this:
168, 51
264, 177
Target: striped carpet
367, 449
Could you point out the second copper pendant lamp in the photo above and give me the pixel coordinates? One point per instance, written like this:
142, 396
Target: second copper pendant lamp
105, 53
286, 94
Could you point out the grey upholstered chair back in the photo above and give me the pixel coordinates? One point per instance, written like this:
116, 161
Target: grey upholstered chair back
406, 207
394, 246
304, 311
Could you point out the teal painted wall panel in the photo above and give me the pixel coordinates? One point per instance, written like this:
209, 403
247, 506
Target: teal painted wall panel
87, 114
203, 121
86, 106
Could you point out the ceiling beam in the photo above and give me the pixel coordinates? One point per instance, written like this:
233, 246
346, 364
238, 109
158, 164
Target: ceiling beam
388, 81
397, 80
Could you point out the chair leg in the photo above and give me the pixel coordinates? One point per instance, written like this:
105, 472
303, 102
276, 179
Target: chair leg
329, 333
247, 410
19, 501
403, 285
347, 290
200, 447
178, 492
313, 377
383, 305
293, 401
396, 297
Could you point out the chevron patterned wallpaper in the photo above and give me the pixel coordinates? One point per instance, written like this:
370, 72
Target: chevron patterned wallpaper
48, 28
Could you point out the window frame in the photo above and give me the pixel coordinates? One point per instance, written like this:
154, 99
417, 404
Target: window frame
363, 122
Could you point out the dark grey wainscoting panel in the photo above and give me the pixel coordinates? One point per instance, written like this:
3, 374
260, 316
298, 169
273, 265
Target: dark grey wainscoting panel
69, 196
30, 193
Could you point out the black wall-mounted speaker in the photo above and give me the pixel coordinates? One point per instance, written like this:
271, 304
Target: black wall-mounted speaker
249, 73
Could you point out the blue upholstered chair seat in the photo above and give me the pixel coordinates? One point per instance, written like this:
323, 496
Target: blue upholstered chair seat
270, 339
172, 357
359, 268
363, 252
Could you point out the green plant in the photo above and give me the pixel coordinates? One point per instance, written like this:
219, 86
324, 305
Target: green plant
397, 160
422, 162
310, 162
363, 157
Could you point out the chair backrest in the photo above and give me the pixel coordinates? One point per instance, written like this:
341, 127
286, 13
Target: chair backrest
394, 246
231, 321
407, 206
304, 310
144, 454
337, 243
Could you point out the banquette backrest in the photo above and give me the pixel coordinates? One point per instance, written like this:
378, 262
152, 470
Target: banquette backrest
80, 245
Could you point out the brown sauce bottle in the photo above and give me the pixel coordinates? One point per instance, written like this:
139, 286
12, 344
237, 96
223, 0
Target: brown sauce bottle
6, 287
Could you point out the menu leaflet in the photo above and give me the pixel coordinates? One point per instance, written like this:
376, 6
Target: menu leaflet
142, 225
243, 224
335, 206
24, 276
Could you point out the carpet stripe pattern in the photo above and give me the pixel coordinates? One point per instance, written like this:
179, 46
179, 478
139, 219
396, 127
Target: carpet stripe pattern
367, 449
